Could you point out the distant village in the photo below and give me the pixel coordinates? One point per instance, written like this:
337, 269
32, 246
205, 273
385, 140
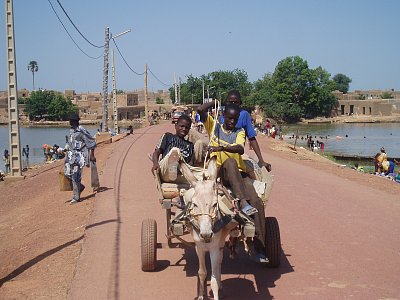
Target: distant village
130, 104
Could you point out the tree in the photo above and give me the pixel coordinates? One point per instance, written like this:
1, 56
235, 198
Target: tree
60, 107
48, 104
36, 105
342, 82
294, 91
33, 67
386, 95
222, 81
159, 100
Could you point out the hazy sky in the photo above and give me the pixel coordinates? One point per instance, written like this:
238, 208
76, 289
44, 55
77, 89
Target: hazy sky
359, 38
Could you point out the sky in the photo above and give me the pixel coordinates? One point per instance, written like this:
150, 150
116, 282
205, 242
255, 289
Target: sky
359, 38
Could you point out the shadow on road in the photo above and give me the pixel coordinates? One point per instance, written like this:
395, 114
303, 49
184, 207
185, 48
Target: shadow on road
36, 260
246, 271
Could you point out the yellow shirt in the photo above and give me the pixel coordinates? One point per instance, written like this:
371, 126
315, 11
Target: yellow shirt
222, 137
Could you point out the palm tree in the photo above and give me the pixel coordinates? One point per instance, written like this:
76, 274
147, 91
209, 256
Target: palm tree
33, 67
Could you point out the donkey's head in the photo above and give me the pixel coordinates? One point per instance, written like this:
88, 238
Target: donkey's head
203, 203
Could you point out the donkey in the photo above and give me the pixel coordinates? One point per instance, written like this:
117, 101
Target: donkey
203, 214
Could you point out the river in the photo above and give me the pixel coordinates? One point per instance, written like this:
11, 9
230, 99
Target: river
35, 137
362, 139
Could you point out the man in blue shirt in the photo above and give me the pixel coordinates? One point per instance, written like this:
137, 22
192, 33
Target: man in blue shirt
245, 123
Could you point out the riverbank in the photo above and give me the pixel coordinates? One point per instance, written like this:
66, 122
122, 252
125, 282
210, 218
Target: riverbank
315, 160
353, 119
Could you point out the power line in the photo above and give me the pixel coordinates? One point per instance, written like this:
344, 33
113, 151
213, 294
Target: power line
52, 7
123, 58
77, 27
167, 85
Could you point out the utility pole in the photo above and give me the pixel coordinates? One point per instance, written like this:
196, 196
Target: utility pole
114, 93
146, 104
176, 92
203, 91
105, 80
179, 91
13, 116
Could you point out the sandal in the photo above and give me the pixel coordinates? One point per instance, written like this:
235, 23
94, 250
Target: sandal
261, 258
249, 210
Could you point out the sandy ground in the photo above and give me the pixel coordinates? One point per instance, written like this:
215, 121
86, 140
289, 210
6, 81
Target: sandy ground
42, 235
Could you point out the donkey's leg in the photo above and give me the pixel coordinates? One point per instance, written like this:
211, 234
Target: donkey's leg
216, 261
201, 283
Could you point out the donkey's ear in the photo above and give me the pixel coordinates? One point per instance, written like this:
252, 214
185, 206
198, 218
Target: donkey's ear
212, 168
187, 174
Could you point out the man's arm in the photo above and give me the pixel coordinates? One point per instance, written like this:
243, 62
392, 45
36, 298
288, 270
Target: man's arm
256, 148
156, 165
202, 110
231, 149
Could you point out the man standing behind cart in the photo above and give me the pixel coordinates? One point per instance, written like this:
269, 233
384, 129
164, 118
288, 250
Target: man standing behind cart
80, 150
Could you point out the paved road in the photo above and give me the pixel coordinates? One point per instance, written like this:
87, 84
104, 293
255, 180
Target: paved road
339, 240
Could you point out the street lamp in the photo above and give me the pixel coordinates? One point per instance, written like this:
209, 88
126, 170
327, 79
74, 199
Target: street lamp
208, 92
220, 95
114, 88
105, 75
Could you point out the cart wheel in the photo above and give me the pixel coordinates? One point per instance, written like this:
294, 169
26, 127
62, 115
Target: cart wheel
272, 242
149, 245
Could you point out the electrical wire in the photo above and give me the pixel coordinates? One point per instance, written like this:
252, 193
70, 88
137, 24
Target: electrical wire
77, 27
52, 7
123, 58
167, 85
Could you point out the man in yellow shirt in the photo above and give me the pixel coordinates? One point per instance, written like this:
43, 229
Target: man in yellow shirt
227, 144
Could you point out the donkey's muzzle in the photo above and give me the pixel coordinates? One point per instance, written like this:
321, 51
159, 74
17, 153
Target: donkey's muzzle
206, 236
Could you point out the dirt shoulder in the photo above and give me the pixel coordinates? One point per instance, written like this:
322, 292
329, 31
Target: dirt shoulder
305, 157
41, 233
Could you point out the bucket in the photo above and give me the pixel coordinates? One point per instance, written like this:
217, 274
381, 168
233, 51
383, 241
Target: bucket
65, 182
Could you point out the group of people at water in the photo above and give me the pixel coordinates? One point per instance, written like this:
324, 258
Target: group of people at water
383, 166
315, 145
55, 152
269, 130
7, 163
227, 134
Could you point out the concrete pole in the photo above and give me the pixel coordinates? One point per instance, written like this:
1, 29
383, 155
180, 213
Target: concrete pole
114, 93
203, 91
13, 116
179, 91
105, 80
146, 103
176, 92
